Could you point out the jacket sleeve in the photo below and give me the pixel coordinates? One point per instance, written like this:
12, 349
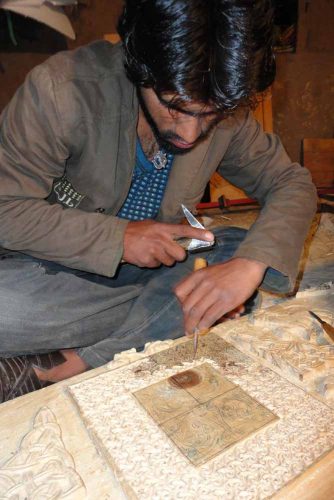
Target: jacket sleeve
257, 163
33, 153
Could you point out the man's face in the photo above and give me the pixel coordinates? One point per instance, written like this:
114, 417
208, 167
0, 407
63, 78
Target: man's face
177, 130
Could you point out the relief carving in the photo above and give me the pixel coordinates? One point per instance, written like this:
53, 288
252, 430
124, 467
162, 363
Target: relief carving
41, 468
290, 340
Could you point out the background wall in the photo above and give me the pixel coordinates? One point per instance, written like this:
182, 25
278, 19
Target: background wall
91, 23
303, 94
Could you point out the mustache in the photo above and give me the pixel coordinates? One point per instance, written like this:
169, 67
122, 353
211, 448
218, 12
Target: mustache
165, 140
168, 135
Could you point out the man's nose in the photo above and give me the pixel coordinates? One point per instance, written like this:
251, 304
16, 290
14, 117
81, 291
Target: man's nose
189, 130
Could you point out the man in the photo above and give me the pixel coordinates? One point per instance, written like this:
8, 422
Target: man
99, 148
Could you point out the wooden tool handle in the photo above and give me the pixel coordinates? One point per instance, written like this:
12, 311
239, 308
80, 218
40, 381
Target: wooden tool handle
199, 263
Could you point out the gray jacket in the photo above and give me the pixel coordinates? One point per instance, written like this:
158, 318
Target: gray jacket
67, 152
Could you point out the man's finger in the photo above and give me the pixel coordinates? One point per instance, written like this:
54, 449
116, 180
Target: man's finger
167, 257
183, 231
174, 250
188, 284
199, 296
211, 315
196, 307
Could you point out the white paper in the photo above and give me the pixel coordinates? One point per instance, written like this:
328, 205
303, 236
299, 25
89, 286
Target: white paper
6, 4
37, 3
43, 12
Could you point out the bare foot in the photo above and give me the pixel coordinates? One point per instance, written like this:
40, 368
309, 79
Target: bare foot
72, 366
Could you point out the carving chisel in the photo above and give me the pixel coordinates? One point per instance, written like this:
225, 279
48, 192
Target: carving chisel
199, 263
329, 329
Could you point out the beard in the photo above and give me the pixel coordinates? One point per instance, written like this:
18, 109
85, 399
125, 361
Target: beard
164, 138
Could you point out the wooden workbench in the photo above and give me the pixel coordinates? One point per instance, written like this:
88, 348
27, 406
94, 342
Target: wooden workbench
67, 441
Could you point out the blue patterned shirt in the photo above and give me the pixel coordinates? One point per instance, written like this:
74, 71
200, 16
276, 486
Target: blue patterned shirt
147, 188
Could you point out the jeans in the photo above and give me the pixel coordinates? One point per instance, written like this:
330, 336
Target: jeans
46, 306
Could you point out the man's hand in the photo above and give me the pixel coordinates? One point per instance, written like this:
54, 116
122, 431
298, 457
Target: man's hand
208, 294
149, 244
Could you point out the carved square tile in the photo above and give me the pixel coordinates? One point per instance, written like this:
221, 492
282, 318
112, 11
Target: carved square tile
165, 400
241, 413
202, 412
200, 434
203, 382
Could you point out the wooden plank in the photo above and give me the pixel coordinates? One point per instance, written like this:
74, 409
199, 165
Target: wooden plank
318, 145
316, 483
268, 123
220, 186
318, 157
258, 113
112, 37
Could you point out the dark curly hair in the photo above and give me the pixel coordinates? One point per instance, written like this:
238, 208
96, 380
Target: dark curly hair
211, 51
